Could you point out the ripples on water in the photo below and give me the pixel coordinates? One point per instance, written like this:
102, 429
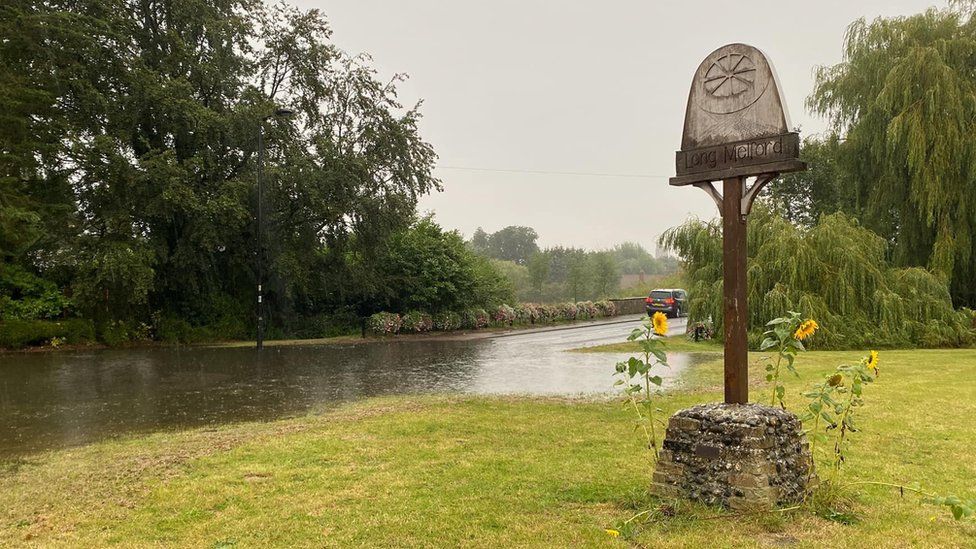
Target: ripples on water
50, 400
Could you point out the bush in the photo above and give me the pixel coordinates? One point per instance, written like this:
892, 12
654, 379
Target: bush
174, 330
523, 313
606, 308
416, 321
567, 311
119, 332
384, 323
425, 267
323, 325
447, 322
503, 315
585, 310
17, 334
26, 296
474, 319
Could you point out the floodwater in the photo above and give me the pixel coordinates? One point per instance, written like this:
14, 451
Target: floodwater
55, 400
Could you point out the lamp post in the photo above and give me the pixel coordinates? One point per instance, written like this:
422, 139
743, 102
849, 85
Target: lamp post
278, 113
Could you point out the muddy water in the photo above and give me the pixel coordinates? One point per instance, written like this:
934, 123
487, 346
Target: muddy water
62, 399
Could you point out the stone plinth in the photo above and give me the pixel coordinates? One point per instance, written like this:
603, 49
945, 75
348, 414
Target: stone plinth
736, 455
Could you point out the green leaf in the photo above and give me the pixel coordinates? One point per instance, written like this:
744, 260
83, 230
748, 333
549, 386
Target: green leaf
633, 366
656, 380
767, 344
660, 355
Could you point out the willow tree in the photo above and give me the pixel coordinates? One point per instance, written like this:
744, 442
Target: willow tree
904, 103
834, 271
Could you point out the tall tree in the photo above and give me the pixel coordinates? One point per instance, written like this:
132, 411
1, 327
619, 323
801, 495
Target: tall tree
479, 241
138, 122
904, 103
538, 273
824, 188
835, 271
577, 276
605, 276
513, 243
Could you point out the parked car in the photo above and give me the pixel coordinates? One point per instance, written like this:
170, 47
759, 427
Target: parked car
670, 301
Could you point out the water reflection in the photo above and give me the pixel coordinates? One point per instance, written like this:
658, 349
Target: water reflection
63, 399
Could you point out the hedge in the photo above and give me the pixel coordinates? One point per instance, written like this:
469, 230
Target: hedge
475, 319
17, 334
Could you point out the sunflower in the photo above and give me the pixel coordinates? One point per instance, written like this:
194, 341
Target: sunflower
873, 361
660, 323
806, 329
612, 533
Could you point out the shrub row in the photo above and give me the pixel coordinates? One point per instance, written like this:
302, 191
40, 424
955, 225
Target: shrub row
474, 319
16, 334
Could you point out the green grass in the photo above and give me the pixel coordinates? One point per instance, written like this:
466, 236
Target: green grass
487, 472
679, 344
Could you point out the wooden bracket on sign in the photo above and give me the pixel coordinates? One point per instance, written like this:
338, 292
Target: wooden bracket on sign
712, 192
749, 196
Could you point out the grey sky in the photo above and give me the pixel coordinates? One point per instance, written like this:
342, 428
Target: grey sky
586, 87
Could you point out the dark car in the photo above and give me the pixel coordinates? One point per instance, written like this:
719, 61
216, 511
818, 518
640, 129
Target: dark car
672, 302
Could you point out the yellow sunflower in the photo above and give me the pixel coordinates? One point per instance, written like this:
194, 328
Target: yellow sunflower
660, 323
806, 329
612, 533
873, 361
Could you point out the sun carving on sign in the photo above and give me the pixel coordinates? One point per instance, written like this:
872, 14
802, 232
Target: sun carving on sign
730, 75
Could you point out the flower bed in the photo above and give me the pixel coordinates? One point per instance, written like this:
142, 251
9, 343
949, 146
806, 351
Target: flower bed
521, 314
384, 323
446, 322
416, 322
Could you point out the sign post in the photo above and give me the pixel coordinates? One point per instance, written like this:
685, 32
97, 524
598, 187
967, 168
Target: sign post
735, 128
735, 308
736, 131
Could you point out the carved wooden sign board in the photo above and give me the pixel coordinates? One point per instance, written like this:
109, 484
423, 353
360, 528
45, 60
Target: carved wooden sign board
735, 123
735, 128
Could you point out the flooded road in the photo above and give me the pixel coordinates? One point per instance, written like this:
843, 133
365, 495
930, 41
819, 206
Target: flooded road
54, 400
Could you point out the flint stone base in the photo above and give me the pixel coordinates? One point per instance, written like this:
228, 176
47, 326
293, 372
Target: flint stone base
742, 456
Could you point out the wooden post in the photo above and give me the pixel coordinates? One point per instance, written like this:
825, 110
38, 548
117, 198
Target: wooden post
734, 292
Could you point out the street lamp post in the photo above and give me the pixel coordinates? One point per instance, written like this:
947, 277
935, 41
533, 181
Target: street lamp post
279, 113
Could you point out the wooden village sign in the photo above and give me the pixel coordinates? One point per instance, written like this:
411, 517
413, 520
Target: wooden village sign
734, 453
735, 127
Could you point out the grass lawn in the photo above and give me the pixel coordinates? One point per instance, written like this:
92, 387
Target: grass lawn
489, 472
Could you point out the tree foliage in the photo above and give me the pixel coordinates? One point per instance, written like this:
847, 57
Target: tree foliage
903, 103
513, 243
835, 271
128, 133
426, 268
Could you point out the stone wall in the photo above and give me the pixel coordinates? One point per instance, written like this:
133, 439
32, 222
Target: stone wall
736, 455
630, 305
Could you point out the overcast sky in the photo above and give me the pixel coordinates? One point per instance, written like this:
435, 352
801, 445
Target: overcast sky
592, 88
